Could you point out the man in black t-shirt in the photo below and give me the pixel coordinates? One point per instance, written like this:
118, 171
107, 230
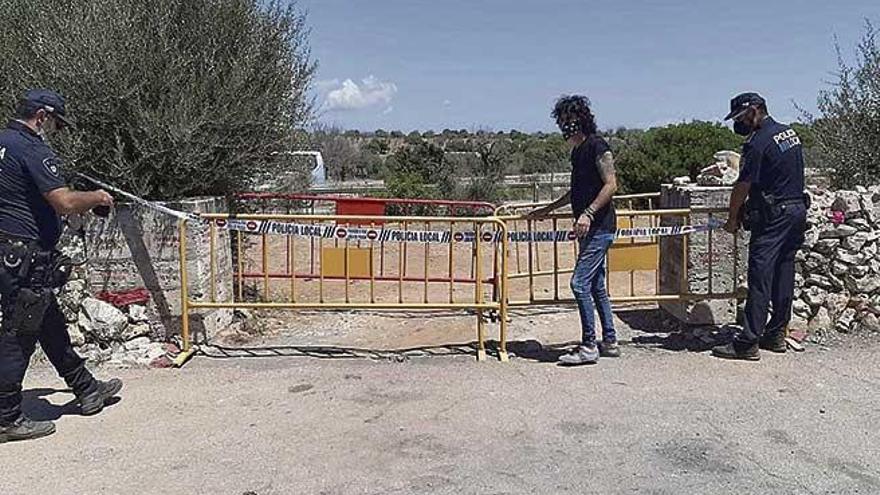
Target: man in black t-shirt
772, 178
593, 183
33, 195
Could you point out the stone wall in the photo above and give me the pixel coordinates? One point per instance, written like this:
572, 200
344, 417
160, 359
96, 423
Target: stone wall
838, 270
137, 248
837, 285
718, 270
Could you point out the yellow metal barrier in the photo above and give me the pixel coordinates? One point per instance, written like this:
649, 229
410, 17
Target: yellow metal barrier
354, 266
403, 272
636, 259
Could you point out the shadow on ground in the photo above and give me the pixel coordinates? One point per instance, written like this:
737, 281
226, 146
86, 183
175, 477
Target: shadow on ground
36, 406
654, 329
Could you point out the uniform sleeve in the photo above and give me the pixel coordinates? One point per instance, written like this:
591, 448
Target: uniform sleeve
750, 163
44, 168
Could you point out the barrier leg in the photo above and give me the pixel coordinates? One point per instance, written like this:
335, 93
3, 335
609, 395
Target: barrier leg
502, 336
187, 348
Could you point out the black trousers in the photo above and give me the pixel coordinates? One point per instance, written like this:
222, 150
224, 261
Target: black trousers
772, 250
15, 355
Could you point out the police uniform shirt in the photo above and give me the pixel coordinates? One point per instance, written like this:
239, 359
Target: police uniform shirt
586, 182
28, 169
773, 161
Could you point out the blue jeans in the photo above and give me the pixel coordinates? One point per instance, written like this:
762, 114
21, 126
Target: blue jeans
588, 286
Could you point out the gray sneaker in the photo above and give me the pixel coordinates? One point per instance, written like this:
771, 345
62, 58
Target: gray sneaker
609, 349
583, 355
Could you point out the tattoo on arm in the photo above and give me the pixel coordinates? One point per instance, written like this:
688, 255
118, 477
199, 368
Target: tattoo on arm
606, 166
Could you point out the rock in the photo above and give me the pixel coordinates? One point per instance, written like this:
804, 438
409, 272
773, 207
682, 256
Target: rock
798, 323
836, 304
104, 323
848, 202
232, 335
820, 322
94, 353
817, 264
850, 257
826, 246
821, 198
681, 181
874, 266
77, 338
836, 283
861, 224
864, 285
135, 344
837, 231
859, 271
811, 236
801, 308
721, 173
815, 297
818, 281
857, 241
153, 351
70, 299
839, 269
845, 322
861, 190
135, 331
869, 323
162, 362
137, 313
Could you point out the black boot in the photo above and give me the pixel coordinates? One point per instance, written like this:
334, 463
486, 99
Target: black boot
773, 342
25, 429
93, 401
736, 350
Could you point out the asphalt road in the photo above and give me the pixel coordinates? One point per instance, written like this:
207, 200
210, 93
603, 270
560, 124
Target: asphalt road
656, 421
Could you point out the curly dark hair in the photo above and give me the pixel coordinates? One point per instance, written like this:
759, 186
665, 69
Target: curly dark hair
570, 108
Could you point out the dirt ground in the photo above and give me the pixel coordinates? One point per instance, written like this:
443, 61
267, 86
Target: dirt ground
414, 263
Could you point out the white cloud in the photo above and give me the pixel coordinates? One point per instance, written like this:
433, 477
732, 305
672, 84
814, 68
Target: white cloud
388, 110
447, 103
350, 95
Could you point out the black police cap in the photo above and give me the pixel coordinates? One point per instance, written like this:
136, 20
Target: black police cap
741, 102
50, 101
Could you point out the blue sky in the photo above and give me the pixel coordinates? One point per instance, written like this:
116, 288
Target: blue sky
491, 64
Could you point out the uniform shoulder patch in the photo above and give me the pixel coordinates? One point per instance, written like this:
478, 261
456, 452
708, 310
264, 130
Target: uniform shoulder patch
51, 165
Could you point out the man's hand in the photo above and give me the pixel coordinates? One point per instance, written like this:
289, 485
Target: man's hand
103, 198
582, 226
732, 225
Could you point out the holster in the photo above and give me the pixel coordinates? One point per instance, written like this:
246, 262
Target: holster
28, 276
29, 310
760, 209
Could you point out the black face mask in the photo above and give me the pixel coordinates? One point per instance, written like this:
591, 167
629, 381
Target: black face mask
569, 129
742, 128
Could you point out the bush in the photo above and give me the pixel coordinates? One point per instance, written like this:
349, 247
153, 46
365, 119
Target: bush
173, 98
660, 154
848, 130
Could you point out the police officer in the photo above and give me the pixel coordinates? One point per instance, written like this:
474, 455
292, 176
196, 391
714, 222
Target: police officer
33, 196
769, 200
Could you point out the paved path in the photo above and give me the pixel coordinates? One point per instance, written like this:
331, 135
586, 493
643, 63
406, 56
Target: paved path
656, 421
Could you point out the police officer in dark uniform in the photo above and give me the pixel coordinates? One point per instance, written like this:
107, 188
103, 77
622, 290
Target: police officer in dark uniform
33, 196
768, 200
